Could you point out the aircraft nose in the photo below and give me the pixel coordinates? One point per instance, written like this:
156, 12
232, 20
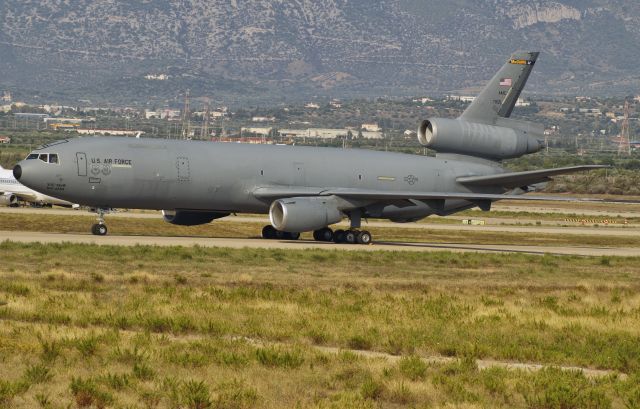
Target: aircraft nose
17, 172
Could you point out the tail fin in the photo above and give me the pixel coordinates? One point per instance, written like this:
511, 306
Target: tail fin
499, 97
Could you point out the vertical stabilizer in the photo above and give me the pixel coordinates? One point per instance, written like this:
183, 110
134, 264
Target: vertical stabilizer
499, 97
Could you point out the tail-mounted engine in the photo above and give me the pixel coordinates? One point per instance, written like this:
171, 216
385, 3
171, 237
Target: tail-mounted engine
496, 142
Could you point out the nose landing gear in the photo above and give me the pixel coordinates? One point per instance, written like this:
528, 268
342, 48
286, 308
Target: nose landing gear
99, 229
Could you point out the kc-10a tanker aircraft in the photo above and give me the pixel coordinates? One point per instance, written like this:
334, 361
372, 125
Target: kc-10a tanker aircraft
307, 188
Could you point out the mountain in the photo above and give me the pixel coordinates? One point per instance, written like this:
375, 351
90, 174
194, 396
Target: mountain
276, 50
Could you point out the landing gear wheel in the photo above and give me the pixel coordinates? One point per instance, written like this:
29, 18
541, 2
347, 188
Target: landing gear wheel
99, 229
269, 232
291, 236
351, 237
325, 234
364, 237
338, 236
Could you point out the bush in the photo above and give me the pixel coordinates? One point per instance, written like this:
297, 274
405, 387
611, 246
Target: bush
413, 368
195, 395
359, 342
37, 373
86, 394
554, 388
273, 357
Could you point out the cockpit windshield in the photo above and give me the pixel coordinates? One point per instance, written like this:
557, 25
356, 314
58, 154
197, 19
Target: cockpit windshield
45, 157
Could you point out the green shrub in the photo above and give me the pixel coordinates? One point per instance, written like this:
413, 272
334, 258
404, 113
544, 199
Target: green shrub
195, 395
235, 395
38, 373
274, 357
143, 371
413, 368
360, 343
86, 393
554, 388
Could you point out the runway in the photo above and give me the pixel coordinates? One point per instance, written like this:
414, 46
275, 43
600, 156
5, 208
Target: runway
493, 224
33, 237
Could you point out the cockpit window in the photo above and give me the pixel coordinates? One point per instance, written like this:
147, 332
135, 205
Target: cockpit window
32, 156
44, 157
53, 158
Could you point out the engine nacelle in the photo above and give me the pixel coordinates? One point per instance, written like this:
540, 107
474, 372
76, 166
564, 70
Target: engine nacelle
8, 199
300, 214
190, 218
474, 139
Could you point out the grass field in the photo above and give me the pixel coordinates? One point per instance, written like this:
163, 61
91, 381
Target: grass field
84, 325
222, 228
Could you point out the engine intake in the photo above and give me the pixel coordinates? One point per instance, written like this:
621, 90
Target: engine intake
300, 214
190, 218
8, 199
474, 139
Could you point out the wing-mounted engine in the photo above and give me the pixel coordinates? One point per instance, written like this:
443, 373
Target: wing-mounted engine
8, 199
190, 218
301, 214
476, 139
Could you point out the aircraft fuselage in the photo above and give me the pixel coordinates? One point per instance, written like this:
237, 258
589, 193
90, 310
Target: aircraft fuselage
169, 174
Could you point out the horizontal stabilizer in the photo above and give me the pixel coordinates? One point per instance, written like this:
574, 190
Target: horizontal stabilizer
519, 179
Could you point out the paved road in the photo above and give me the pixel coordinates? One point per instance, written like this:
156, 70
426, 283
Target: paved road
30, 237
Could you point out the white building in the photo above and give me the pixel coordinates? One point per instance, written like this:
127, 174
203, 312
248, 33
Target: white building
372, 127
107, 132
263, 119
256, 131
312, 105
461, 98
319, 133
372, 135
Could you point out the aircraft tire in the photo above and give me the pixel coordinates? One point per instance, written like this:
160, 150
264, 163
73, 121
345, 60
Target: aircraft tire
99, 229
351, 237
364, 237
338, 236
291, 236
269, 232
325, 234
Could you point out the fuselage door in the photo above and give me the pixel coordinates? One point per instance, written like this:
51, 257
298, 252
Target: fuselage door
81, 159
299, 178
184, 173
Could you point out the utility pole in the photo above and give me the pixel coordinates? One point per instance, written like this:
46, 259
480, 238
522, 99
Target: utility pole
624, 146
186, 118
205, 127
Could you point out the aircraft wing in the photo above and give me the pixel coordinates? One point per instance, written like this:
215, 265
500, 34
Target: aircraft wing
274, 193
519, 179
24, 196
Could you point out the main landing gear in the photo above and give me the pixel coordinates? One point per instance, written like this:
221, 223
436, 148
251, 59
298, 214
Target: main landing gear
99, 229
351, 236
270, 233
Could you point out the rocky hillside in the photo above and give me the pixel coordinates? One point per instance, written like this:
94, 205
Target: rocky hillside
255, 50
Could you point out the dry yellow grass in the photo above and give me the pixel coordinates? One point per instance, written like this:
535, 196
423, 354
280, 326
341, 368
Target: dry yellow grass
194, 327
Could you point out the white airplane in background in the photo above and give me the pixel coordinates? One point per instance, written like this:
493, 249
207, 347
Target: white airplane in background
12, 191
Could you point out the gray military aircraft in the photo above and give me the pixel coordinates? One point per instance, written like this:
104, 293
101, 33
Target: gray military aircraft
307, 188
